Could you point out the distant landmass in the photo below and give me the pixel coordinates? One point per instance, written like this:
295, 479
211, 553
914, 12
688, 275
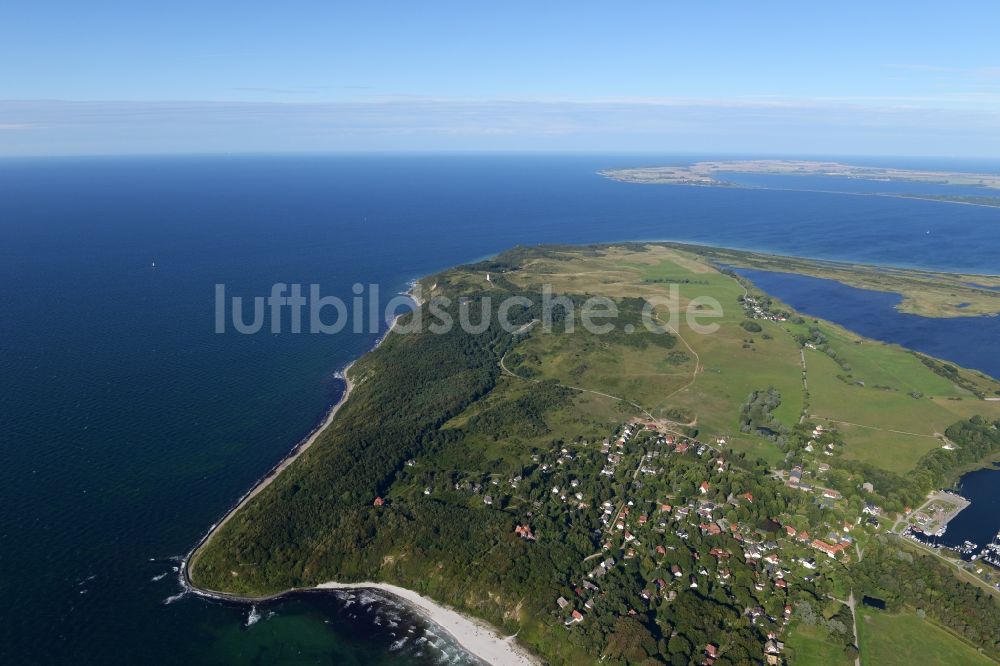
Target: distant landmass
637, 495
708, 174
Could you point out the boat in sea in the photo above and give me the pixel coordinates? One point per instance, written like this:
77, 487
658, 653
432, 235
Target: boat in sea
967, 548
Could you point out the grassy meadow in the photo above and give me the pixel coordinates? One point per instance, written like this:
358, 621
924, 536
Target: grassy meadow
448, 440
890, 407
809, 645
905, 639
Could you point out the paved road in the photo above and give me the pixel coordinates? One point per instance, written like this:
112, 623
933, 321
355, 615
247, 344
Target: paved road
957, 564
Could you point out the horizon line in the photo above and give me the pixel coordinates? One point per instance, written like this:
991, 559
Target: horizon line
541, 152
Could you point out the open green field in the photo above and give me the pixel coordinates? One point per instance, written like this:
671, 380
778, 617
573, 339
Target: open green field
722, 367
924, 293
905, 639
583, 417
889, 406
452, 443
808, 645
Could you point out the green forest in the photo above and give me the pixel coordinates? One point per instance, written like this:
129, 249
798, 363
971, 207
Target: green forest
669, 548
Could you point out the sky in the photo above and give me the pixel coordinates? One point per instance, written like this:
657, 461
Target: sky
767, 77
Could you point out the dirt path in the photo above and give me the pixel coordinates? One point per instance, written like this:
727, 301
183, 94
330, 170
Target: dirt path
805, 384
697, 360
645, 412
694, 376
507, 371
861, 425
854, 625
851, 603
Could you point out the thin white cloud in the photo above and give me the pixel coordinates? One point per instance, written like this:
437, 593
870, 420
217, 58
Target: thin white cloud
965, 124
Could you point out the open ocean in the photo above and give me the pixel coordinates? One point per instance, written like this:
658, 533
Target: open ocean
128, 427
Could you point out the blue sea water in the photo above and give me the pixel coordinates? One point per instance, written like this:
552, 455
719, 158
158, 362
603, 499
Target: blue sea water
127, 426
873, 314
980, 521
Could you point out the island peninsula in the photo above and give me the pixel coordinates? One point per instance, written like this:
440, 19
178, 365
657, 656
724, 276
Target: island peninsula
632, 496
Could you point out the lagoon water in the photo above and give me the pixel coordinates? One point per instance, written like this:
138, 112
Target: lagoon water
127, 426
980, 522
873, 314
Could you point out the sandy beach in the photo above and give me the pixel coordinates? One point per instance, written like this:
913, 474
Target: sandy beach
475, 636
296, 451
